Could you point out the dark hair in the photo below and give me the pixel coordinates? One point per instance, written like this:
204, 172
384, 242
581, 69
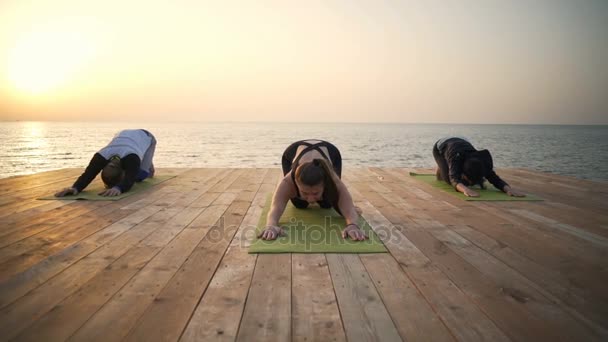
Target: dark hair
111, 174
318, 172
473, 169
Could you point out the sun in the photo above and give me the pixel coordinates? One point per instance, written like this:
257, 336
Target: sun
44, 61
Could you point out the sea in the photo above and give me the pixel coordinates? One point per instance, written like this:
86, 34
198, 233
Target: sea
579, 151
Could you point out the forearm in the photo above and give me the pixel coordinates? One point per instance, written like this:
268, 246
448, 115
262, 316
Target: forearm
498, 183
274, 214
95, 166
347, 207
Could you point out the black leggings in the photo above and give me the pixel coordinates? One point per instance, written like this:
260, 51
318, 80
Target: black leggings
443, 171
336, 162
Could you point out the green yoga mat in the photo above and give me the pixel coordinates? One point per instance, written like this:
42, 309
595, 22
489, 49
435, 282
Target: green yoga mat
91, 193
314, 230
488, 194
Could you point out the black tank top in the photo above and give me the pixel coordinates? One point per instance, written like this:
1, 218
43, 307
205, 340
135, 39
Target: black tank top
309, 147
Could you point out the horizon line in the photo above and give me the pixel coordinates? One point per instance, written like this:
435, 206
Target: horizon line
316, 122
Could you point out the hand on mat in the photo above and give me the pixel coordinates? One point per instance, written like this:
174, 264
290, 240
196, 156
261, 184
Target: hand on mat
470, 193
512, 192
110, 192
66, 191
271, 233
352, 231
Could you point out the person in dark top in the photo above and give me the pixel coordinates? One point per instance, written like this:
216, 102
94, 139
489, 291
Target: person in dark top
125, 160
461, 165
311, 175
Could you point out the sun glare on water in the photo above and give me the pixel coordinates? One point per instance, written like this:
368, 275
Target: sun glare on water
44, 61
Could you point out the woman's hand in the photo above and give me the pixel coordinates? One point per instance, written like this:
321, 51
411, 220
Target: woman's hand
66, 191
507, 189
466, 191
271, 233
352, 231
111, 192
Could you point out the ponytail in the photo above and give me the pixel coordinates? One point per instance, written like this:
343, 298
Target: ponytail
316, 172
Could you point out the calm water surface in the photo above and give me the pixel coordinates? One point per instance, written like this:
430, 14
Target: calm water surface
580, 151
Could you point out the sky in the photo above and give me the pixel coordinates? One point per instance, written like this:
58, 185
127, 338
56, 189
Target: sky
448, 61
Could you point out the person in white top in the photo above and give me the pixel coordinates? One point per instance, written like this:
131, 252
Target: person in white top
127, 159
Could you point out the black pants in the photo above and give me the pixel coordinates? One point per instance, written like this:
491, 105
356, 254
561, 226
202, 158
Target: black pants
443, 171
336, 161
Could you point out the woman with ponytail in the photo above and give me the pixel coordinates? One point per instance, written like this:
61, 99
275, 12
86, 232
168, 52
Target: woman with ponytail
312, 171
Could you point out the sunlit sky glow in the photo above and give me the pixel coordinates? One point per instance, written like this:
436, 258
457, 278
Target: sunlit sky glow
433, 61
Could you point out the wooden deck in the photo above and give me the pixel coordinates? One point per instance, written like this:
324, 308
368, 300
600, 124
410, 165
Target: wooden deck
172, 264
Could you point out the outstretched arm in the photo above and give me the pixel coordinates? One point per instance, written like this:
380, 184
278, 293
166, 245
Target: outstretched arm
347, 207
95, 166
502, 185
277, 207
509, 191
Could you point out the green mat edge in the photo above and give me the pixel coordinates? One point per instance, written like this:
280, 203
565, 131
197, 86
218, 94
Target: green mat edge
528, 198
115, 198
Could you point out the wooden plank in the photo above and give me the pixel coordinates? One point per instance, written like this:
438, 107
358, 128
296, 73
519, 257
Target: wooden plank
83, 306
464, 319
44, 238
18, 204
26, 182
566, 228
536, 304
586, 184
39, 222
472, 271
485, 293
412, 314
25, 216
557, 246
566, 213
69, 315
363, 312
39, 301
525, 232
592, 199
571, 323
553, 281
273, 177
20, 256
543, 306
122, 310
179, 297
225, 183
315, 313
267, 314
31, 278
90, 210
219, 312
